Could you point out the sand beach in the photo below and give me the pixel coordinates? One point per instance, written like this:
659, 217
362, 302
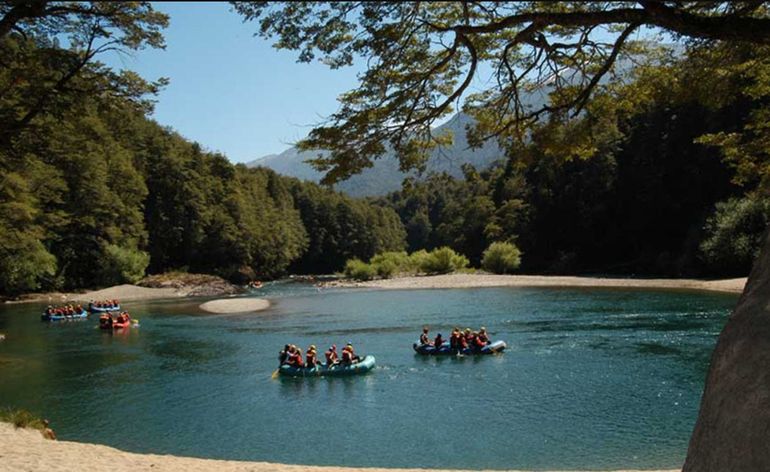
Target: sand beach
492, 280
25, 450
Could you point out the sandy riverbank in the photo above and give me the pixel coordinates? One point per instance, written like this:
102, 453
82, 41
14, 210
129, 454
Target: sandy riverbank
491, 280
27, 450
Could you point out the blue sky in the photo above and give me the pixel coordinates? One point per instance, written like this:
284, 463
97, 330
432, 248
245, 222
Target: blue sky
233, 92
230, 91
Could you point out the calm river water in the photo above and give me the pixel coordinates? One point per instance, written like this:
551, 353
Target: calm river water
592, 379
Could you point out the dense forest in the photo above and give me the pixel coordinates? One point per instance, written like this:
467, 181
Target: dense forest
93, 192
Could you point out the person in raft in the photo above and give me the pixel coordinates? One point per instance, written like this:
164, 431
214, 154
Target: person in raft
424, 339
283, 356
454, 339
332, 358
295, 360
438, 341
348, 355
105, 320
483, 336
123, 317
479, 342
311, 358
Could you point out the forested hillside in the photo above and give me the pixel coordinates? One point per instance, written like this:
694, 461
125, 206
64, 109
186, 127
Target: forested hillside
94, 193
657, 196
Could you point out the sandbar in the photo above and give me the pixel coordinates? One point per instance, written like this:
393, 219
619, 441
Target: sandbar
235, 305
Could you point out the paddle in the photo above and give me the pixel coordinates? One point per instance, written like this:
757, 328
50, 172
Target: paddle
275, 374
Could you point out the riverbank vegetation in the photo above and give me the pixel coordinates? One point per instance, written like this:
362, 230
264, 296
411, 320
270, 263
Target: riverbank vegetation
21, 418
385, 265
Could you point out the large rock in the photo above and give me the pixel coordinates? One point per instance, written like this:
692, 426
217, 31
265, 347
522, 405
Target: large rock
732, 433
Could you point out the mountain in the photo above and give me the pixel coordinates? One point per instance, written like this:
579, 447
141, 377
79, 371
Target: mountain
385, 176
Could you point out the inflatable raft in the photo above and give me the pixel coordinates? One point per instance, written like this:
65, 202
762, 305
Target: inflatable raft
445, 350
76, 316
103, 309
339, 370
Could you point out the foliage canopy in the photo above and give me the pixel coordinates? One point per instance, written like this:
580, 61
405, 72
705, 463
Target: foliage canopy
422, 58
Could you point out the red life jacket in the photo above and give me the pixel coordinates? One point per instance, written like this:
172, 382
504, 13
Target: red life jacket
310, 359
478, 341
462, 343
331, 356
296, 360
347, 356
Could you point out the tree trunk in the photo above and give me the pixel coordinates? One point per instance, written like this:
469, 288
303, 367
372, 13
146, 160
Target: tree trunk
733, 428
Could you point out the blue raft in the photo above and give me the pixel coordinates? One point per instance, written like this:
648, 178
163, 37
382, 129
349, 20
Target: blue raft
339, 370
445, 350
102, 309
77, 316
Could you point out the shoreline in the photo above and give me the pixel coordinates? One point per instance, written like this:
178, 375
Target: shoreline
448, 281
127, 292
26, 450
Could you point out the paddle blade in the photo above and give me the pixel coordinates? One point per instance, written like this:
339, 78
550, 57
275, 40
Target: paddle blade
275, 374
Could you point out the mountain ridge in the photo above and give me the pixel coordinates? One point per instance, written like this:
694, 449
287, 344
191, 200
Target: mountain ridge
385, 176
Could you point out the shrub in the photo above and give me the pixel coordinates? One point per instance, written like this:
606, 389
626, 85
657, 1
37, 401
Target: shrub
21, 419
359, 270
24, 266
734, 235
417, 260
388, 263
501, 258
443, 260
385, 269
123, 265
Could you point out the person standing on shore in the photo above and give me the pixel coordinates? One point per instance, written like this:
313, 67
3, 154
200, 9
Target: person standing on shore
48, 432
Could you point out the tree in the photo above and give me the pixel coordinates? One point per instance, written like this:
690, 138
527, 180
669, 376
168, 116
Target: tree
422, 57
38, 73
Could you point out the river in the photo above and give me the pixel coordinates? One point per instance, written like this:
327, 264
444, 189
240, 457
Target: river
593, 378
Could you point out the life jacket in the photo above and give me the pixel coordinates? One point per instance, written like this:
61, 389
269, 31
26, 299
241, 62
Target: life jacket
438, 342
347, 356
453, 340
331, 357
424, 338
296, 360
478, 341
310, 359
483, 337
462, 343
